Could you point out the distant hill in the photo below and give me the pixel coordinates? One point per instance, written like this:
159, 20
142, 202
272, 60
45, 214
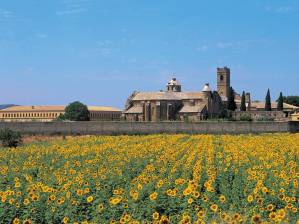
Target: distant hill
3, 106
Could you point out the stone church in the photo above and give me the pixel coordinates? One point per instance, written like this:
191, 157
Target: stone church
175, 104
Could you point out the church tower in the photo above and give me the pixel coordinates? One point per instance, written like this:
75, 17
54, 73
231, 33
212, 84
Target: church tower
173, 86
223, 81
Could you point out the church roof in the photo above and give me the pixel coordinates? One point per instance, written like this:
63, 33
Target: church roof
34, 108
143, 96
261, 105
193, 109
135, 110
101, 108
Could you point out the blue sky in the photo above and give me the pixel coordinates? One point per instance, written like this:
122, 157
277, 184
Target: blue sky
98, 52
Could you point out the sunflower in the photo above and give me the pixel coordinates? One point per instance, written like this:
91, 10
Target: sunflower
65, 220
214, 207
153, 196
26, 201
115, 201
289, 206
100, 207
238, 217
11, 201
190, 201
270, 207
52, 197
127, 217
156, 215
86, 190
122, 220
265, 190
272, 215
16, 221
79, 192
222, 199
200, 214
205, 198
60, 201
196, 194
294, 210
27, 221
187, 191
34, 198
139, 187
256, 219
89, 199
250, 198
164, 220
169, 192
135, 196
281, 213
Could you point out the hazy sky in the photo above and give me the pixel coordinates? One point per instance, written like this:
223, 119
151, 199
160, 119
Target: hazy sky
98, 52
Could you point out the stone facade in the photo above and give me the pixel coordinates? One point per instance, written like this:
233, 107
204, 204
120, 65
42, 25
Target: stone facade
257, 112
259, 115
223, 82
295, 117
173, 104
50, 113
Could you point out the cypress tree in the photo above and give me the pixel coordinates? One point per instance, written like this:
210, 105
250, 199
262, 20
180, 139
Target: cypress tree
231, 100
243, 102
280, 102
268, 101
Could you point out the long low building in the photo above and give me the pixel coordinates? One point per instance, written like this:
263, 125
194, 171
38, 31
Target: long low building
50, 113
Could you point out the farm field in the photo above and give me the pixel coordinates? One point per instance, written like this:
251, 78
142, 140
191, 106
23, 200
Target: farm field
152, 179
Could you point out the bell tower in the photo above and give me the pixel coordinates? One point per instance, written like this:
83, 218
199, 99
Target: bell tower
223, 81
173, 86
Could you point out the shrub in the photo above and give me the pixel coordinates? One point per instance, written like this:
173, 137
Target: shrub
245, 117
9, 138
265, 118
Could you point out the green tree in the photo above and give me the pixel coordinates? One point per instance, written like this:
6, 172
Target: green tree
243, 102
268, 101
9, 138
76, 111
280, 102
231, 100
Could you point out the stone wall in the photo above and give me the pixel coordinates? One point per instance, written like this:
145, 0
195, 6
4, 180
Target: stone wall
129, 128
256, 115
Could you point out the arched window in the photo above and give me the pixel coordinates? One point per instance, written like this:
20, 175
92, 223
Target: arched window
221, 78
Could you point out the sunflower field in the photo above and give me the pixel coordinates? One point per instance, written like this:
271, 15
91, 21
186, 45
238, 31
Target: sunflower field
152, 179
